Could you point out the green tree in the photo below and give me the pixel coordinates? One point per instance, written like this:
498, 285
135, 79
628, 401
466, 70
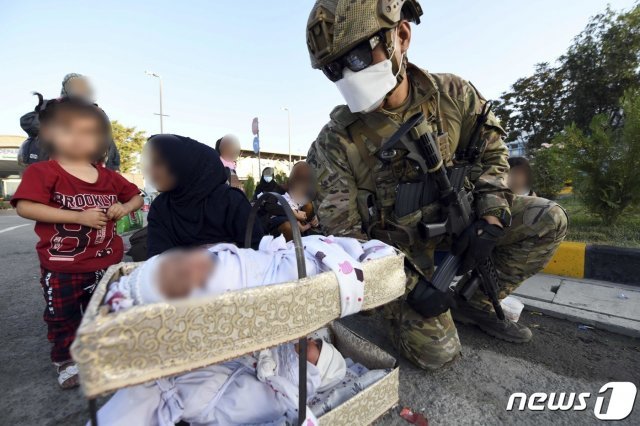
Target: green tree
589, 79
249, 187
550, 170
606, 159
130, 142
601, 65
532, 111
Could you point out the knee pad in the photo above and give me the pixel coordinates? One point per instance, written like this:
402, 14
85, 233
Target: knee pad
430, 343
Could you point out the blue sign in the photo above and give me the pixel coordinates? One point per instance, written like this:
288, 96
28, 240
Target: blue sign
256, 145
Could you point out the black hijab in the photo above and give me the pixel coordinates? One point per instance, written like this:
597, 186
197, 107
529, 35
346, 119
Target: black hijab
202, 209
264, 186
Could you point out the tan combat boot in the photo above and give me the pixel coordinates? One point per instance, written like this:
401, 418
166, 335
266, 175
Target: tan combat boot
488, 322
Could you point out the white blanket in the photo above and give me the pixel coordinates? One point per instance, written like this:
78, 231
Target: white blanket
224, 394
273, 263
231, 393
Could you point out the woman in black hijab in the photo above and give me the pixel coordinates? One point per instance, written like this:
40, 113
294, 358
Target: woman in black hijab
196, 206
267, 183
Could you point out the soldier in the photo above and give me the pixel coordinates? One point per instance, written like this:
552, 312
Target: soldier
361, 46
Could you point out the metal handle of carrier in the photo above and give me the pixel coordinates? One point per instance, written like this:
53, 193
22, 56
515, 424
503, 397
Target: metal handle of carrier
302, 273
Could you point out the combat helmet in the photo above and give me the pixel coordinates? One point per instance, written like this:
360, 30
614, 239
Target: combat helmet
337, 26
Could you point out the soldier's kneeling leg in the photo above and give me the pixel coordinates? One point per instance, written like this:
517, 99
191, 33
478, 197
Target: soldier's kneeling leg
429, 343
538, 227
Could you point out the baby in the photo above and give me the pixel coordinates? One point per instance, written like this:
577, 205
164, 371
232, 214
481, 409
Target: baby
254, 389
184, 273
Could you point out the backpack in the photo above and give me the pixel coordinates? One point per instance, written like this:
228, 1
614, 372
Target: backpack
30, 152
138, 241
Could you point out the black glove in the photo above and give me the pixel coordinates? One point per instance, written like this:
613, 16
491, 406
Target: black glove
428, 301
476, 244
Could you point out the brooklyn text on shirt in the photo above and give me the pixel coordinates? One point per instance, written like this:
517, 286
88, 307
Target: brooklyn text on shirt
83, 201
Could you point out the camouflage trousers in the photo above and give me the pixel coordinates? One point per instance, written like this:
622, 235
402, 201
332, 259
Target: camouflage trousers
538, 227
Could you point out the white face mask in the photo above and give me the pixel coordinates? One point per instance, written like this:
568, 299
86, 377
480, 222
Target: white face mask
268, 178
364, 91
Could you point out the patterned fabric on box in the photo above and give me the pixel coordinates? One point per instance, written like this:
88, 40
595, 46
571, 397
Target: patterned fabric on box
161, 340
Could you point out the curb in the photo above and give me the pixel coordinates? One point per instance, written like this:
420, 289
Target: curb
601, 305
605, 263
597, 320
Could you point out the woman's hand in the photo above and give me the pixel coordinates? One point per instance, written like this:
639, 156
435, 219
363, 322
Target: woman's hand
300, 215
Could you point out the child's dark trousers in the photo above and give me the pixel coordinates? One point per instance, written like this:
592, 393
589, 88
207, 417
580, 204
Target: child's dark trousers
66, 296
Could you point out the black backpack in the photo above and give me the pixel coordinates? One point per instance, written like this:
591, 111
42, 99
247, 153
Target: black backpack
138, 241
30, 152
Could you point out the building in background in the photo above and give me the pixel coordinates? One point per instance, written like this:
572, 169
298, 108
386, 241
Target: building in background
9, 167
516, 149
247, 164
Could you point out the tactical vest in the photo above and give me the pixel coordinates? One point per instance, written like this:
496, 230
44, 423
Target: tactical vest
379, 180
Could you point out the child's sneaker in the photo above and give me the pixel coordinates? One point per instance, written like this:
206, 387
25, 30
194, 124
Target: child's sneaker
67, 374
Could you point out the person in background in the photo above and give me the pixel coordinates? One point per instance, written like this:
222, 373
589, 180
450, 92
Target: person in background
196, 206
75, 205
75, 85
299, 196
267, 184
228, 148
520, 177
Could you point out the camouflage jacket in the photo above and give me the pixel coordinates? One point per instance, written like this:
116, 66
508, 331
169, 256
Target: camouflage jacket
341, 171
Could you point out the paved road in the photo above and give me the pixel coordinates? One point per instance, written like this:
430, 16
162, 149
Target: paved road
475, 390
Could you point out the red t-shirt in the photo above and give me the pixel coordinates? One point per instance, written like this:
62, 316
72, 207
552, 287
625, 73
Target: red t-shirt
71, 247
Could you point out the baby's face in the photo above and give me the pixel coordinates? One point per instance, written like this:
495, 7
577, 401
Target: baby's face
182, 272
313, 350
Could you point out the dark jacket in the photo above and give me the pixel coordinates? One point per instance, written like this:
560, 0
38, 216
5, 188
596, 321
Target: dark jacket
264, 186
30, 152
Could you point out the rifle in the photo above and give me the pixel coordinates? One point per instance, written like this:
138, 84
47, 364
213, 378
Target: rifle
415, 138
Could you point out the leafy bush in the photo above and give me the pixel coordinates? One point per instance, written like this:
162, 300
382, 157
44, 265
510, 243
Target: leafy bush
607, 160
249, 187
280, 177
549, 169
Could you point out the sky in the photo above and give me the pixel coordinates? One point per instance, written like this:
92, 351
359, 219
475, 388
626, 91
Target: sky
225, 62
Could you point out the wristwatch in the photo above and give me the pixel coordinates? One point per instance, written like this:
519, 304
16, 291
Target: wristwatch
503, 215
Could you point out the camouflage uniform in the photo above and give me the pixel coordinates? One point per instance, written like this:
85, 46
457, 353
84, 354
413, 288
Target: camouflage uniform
347, 171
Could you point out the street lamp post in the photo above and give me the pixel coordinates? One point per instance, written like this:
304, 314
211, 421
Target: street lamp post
156, 75
289, 126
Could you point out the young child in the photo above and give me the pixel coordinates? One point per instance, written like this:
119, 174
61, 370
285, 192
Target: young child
299, 197
75, 204
220, 394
